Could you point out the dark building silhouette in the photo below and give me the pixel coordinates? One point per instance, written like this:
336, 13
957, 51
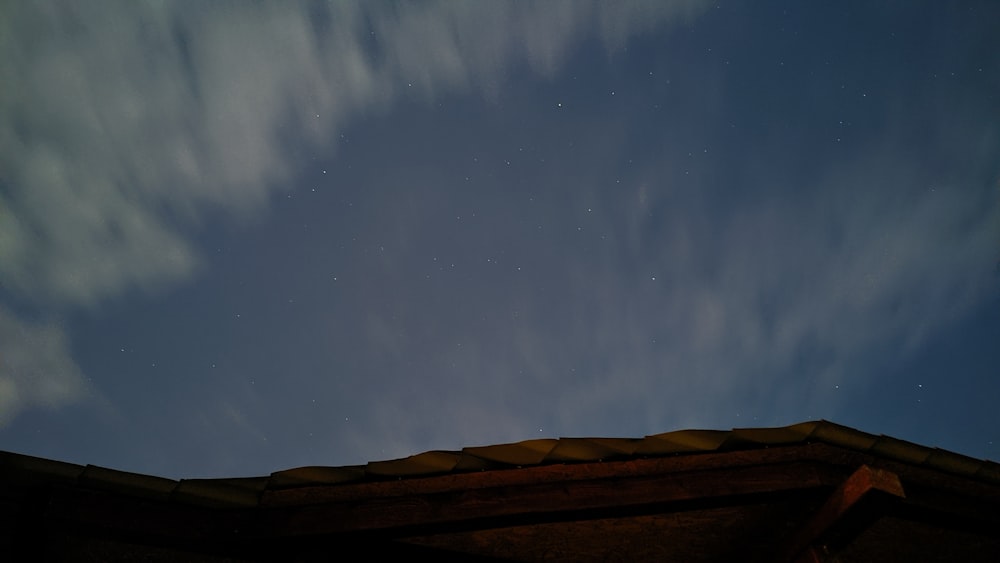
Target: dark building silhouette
812, 492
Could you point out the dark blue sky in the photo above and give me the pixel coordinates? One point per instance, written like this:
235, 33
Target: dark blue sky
236, 239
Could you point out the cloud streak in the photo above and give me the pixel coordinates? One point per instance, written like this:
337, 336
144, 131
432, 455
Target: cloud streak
680, 303
36, 368
129, 124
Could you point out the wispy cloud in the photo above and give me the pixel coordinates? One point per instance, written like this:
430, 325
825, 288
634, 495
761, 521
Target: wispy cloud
126, 124
36, 368
681, 303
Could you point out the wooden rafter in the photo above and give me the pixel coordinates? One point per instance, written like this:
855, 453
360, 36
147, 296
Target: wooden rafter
844, 509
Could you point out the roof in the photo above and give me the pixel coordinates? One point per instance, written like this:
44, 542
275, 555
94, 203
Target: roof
761, 493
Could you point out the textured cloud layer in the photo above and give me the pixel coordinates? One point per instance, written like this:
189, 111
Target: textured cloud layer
125, 124
668, 311
35, 367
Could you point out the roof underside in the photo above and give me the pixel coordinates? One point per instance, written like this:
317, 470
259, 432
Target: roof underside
812, 490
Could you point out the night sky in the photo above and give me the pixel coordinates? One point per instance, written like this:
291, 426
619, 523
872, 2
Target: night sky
240, 237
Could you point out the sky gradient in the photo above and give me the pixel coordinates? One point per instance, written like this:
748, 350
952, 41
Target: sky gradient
242, 237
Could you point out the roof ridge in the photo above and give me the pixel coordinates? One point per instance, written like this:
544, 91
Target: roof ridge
534, 452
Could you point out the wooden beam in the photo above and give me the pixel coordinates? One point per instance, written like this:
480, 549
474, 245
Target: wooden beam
556, 501
553, 473
841, 507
